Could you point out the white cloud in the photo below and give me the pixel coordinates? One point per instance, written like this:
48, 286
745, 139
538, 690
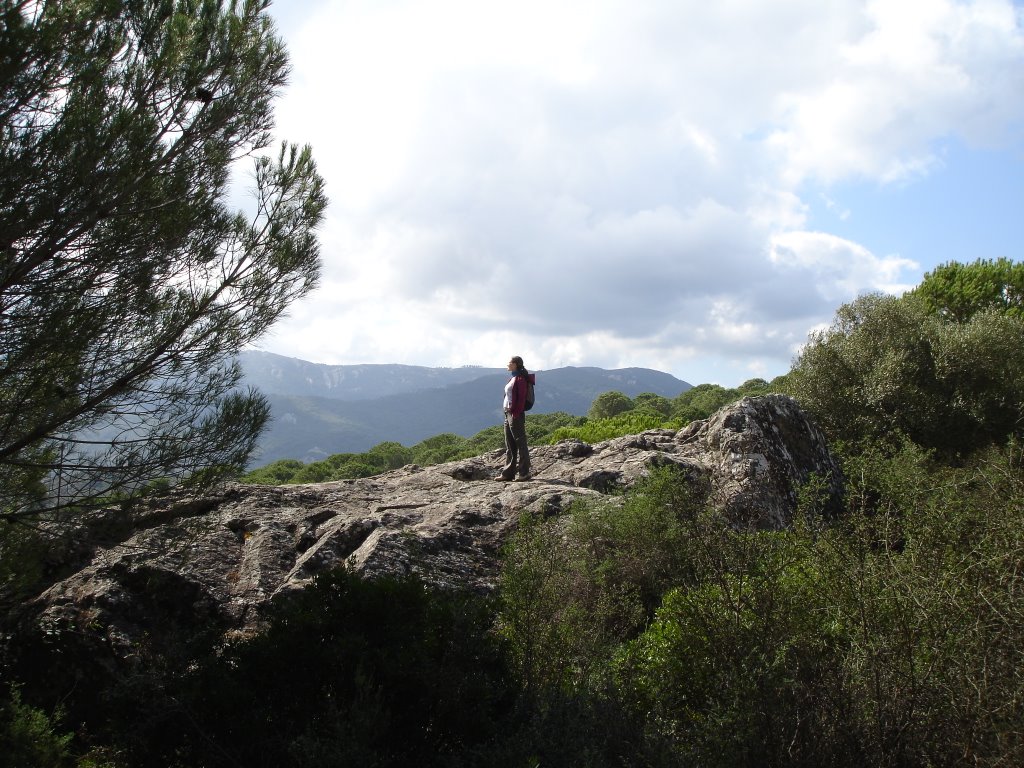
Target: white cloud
925, 69
838, 269
618, 183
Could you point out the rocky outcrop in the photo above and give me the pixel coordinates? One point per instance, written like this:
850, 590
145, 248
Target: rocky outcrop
143, 583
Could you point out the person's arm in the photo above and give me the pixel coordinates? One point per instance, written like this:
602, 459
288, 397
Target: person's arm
518, 405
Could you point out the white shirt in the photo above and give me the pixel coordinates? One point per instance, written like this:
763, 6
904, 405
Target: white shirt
508, 394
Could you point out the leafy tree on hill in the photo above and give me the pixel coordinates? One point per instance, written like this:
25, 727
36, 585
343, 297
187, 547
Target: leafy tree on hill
959, 291
391, 455
891, 368
609, 404
126, 282
703, 400
652, 402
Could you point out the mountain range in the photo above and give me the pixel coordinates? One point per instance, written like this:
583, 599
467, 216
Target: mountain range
318, 410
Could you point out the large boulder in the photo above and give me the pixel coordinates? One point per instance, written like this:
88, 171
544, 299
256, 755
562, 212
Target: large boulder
143, 586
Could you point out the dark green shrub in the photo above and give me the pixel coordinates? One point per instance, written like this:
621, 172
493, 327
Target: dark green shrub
22, 555
925, 580
701, 401
740, 669
653, 402
574, 588
390, 455
890, 368
29, 738
353, 672
626, 423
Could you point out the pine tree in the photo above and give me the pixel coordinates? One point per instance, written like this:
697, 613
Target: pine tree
127, 282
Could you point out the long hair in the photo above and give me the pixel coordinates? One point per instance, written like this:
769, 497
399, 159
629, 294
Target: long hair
520, 368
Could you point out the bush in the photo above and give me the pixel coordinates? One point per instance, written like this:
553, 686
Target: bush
29, 737
892, 636
627, 423
889, 368
926, 582
740, 668
384, 672
573, 589
276, 473
701, 401
652, 402
22, 557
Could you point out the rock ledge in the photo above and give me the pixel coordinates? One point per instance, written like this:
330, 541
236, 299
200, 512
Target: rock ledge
187, 562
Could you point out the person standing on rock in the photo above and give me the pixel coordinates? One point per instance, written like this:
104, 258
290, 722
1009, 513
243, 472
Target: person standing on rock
517, 453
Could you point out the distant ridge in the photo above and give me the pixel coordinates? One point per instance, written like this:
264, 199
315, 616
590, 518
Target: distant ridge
319, 410
273, 373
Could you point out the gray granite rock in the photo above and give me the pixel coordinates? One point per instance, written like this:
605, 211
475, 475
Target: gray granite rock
138, 583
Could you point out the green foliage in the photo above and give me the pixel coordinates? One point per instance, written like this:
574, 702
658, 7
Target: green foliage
957, 291
756, 386
22, 554
703, 400
609, 404
440, 448
277, 473
626, 423
348, 672
651, 402
573, 589
127, 284
29, 737
390, 455
889, 368
924, 581
892, 636
730, 668
650, 411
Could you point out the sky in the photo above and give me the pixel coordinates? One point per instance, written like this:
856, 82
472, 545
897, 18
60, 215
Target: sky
681, 185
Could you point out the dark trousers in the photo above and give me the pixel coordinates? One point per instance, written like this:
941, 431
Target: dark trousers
517, 453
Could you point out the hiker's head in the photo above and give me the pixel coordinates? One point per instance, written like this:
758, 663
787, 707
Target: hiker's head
516, 363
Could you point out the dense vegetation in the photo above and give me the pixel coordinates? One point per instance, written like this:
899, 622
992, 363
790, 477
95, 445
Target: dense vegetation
646, 633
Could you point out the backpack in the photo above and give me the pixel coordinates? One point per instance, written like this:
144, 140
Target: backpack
531, 379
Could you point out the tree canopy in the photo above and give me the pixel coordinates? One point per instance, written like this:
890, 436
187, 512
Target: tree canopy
959, 291
942, 366
608, 404
127, 282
